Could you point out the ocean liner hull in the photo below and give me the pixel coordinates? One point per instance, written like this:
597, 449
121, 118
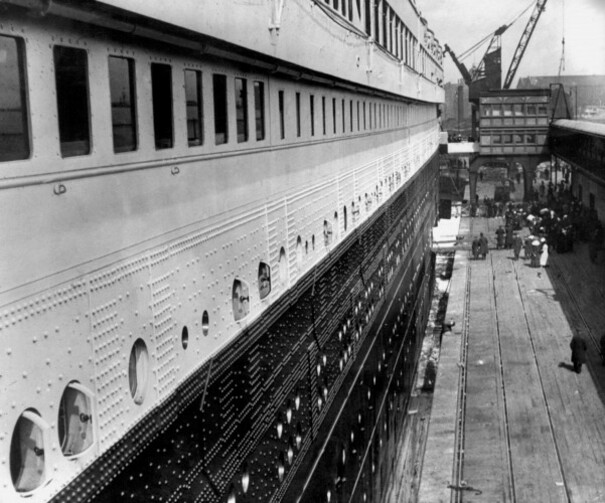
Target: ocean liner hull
216, 260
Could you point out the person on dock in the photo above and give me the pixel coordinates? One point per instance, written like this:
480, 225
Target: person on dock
476, 245
483, 249
578, 352
543, 253
517, 244
499, 238
535, 253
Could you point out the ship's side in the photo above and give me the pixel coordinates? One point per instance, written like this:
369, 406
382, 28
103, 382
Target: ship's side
216, 246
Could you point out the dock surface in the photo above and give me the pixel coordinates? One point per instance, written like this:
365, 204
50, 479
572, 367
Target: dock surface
510, 419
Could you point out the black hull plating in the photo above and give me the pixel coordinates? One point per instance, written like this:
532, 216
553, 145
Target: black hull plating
309, 403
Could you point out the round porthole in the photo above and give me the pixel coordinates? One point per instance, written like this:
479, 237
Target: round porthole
185, 337
205, 323
75, 420
138, 368
27, 454
264, 279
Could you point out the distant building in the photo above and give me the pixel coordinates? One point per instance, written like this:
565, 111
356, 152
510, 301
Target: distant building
587, 91
456, 109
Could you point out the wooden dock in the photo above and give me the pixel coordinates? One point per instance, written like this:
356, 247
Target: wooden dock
510, 421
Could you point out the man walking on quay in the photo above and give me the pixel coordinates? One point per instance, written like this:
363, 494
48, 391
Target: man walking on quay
578, 352
517, 243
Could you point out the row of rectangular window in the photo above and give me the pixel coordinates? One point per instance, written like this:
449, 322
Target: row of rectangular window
509, 139
73, 107
510, 109
73, 110
388, 30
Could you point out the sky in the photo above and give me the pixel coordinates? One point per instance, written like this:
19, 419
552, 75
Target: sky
463, 23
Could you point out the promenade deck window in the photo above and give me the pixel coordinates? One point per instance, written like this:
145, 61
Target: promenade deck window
221, 119
123, 108
298, 115
194, 104
282, 113
71, 80
312, 113
161, 90
241, 109
14, 133
259, 110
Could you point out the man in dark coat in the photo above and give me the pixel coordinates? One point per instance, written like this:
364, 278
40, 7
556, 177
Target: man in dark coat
578, 352
483, 249
517, 243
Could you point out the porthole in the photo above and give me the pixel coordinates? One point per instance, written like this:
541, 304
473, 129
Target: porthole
185, 337
138, 369
336, 225
75, 420
240, 299
264, 279
327, 233
27, 454
283, 267
299, 251
205, 323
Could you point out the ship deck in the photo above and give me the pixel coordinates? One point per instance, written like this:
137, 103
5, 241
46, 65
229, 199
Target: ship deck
508, 419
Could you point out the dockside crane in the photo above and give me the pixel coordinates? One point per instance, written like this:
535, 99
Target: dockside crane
523, 42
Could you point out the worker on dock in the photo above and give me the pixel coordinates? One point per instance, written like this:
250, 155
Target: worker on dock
578, 352
483, 249
517, 244
499, 238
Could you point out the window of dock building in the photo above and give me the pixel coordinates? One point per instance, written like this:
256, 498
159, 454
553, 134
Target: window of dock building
241, 109
496, 111
14, 131
358, 116
530, 138
507, 109
531, 109
123, 111
161, 95
195, 112
542, 110
344, 122
219, 91
508, 139
496, 139
312, 113
517, 138
351, 116
71, 78
282, 113
298, 115
259, 109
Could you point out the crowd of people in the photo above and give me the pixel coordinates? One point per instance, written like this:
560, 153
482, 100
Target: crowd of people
555, 221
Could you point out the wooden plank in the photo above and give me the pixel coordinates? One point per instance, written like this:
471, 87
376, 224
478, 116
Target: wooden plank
437, 465
529, 432
576, 409
485, 464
